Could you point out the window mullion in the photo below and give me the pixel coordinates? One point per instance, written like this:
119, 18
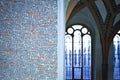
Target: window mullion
82, 56
72, 57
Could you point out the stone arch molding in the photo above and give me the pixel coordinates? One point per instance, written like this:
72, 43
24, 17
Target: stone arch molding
70, 7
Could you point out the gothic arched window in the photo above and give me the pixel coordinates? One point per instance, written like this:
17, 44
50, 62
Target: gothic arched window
116, 42
78, 53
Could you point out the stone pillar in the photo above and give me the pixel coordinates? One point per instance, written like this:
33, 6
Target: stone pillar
104, 71
60, 44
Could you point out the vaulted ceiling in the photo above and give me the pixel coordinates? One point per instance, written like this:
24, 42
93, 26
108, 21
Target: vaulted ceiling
103, 8
106, 15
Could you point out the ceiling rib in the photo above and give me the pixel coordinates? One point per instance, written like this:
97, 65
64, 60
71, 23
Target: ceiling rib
93, 12
78, 7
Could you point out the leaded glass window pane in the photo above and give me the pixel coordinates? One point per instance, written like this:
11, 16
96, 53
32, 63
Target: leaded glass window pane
116, 42
78, 53
77, 49
87, 57
68, 52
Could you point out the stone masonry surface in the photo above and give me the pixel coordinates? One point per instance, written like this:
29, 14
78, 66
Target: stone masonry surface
28, 40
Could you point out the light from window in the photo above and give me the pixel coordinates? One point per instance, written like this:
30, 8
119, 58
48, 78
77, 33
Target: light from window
78, 53
116, 42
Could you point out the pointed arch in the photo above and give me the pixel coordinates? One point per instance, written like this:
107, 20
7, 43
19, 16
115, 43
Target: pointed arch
78, 53
70, 8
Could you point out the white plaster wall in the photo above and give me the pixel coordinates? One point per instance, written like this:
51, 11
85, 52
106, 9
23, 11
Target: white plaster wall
110, 63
